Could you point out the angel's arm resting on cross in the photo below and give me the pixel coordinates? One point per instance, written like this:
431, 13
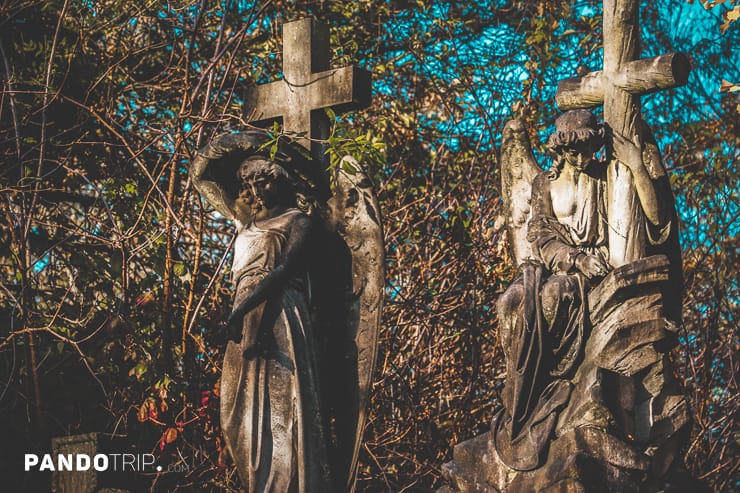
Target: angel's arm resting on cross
275, 280
641, 155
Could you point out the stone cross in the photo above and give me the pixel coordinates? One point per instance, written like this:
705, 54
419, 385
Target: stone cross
618, 87
308, 86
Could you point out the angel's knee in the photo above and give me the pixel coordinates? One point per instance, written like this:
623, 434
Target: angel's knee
559, 294
507, 308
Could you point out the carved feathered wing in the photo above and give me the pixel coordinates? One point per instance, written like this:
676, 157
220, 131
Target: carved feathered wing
354, 265
518, 170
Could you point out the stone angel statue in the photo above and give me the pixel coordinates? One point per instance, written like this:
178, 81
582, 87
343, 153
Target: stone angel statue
557, 225
308, 280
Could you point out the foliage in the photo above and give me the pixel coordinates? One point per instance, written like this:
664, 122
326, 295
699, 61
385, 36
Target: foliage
114, 273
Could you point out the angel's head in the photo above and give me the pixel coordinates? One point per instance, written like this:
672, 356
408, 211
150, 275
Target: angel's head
577, 137
264, 183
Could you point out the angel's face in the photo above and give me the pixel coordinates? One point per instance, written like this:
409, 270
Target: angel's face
266, 189
581, 154
260, 186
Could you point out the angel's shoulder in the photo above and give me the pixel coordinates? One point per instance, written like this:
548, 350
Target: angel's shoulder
298, 222
541, 181
298, 216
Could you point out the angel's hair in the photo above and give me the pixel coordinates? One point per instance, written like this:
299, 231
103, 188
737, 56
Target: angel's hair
259, 167
572, 129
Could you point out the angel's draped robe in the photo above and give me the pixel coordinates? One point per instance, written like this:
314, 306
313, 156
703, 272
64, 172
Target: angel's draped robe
270, 412
543, 318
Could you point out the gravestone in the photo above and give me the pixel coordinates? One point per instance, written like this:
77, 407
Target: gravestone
75, 481
89, 481
590, 402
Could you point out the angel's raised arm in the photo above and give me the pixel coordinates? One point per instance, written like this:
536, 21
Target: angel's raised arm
211, 190
213, 170
639, 152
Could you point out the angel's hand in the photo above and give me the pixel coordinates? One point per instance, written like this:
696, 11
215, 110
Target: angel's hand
628, 151
591, 265
233, 326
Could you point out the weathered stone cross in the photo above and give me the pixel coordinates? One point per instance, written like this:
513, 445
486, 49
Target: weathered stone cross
308, 86
618, 87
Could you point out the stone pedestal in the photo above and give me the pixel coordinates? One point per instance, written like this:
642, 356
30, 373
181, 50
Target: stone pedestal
90, 481
470, 468
627, 417
75, 481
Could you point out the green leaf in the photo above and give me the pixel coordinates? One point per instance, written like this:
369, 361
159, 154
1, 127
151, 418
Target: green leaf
348, 168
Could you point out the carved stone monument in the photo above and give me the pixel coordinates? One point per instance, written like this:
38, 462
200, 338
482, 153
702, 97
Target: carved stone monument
589, 402
308, 277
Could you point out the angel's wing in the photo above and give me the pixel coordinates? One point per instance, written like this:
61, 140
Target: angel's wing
354, 264
518, 170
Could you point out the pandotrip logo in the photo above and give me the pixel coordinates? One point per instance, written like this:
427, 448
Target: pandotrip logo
116, 462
